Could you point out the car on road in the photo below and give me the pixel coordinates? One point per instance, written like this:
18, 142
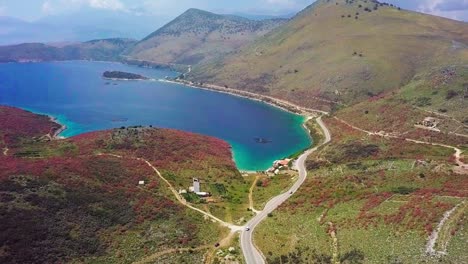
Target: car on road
247, 228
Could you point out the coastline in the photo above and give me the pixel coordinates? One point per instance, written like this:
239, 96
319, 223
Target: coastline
56, 135
275, 102
122, 79
307, 113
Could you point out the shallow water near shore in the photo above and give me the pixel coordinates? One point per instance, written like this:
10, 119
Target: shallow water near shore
77, 96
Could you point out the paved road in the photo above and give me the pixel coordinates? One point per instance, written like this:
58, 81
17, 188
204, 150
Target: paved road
251, 254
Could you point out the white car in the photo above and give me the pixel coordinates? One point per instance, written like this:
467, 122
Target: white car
247, 228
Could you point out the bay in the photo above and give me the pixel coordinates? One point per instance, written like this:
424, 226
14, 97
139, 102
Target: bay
76, 94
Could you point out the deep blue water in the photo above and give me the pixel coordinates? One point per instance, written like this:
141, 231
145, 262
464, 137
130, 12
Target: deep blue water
75, 93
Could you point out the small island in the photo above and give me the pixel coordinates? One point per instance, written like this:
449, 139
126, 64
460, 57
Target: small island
118, 75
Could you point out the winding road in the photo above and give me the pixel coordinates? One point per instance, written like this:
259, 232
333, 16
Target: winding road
251, 254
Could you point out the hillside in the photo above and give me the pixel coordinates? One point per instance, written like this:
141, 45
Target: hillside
105, 49
196, 36
341, 51
62, 201
371, 199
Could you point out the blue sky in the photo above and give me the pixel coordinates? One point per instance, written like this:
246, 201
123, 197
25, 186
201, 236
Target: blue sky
36, 9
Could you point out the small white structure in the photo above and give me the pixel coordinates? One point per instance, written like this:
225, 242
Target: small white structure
430, 122
196, 185
141, 183
203, 194
182, 191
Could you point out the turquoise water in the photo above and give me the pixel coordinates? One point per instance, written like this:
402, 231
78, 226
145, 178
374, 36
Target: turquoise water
75, 94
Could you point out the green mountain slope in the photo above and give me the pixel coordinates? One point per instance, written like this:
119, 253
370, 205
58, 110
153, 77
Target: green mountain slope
343, 51
197, 35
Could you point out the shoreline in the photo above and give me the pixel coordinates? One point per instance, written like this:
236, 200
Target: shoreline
125, 80
272, 101
307, 113
56, 135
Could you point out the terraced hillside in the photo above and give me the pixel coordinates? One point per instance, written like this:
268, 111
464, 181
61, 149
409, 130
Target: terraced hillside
197, 35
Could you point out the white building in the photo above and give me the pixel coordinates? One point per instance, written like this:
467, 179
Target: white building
196, 185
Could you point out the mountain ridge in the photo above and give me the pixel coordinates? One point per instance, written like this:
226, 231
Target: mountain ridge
198, 35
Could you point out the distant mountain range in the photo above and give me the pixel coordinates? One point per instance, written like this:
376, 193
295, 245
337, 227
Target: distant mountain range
198, 35
104, 49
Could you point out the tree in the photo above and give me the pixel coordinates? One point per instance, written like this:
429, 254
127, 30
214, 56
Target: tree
451, 94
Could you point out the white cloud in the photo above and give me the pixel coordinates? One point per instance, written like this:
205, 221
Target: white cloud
57, 6
106, 4
47, 8
455, 9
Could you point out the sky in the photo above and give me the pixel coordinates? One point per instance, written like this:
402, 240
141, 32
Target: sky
53, 21
31, 10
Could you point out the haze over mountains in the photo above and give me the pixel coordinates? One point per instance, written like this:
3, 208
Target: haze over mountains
103, 49
99, 24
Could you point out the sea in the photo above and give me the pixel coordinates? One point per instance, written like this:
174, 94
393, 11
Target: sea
75, 93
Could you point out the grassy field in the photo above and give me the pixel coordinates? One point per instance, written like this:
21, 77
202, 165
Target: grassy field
230, 193
268, 187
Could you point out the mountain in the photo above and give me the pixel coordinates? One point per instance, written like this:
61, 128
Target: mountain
341, 51
61, 201
197, 35
104, 49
